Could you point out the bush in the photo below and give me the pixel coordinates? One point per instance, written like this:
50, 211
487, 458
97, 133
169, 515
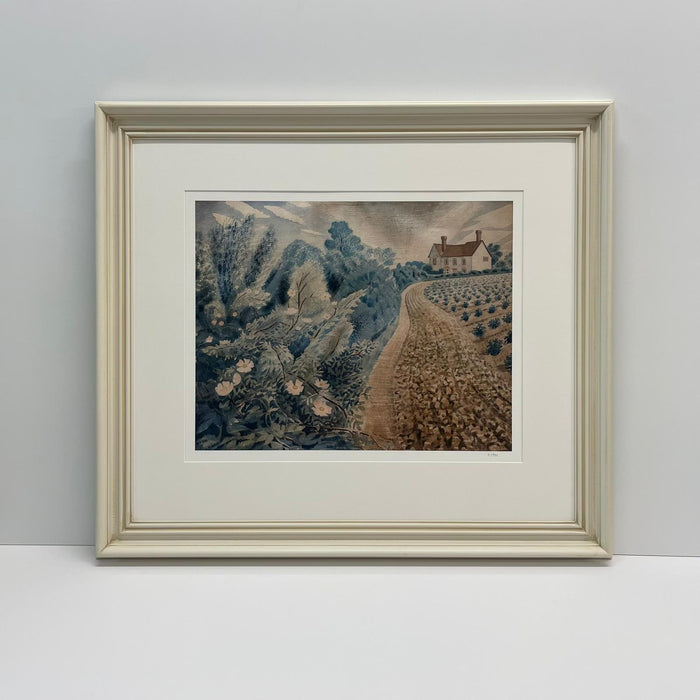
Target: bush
505, 304
494, 347
508, 317
479, 330
465, 316
509, 338
492, 309
494, 323
478, 313
509, 363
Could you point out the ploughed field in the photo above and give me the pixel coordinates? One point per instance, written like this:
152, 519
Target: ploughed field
448, 383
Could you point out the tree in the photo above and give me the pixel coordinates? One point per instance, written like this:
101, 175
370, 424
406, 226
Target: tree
343, 239
500, 262
496, 253
230, 246
307, 292
206, 279
261, 255
411, 272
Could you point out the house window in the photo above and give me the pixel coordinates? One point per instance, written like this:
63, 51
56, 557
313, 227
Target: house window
464, 261
454, 261
485, 258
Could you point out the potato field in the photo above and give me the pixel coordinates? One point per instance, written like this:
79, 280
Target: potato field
452, 378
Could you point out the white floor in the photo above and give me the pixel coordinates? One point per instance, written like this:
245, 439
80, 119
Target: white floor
73, 628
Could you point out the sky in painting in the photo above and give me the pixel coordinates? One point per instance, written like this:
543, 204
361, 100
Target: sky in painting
408, 228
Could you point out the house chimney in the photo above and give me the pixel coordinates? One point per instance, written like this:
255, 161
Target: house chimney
444, 244
478, 235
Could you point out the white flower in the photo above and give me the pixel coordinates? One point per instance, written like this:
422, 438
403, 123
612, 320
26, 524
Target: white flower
234, 314
321, 408
215, 322
209, 339
244, 366
295, 387
224, 388
221, 323
321, 384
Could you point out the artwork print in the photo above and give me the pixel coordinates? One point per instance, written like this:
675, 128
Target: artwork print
354, 325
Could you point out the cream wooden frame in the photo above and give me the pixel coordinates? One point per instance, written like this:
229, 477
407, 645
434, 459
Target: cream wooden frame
119, 124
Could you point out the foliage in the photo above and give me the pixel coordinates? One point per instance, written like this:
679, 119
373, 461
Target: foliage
499, 261
261, 255
496, 253
411, 272
285, 345
343, 240
494, 346
230, 253
228, 270
293, 256
350, 266
483, 293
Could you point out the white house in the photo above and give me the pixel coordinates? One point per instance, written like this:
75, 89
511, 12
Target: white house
462, 257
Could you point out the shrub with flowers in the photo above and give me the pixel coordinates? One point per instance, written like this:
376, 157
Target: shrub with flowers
285, 368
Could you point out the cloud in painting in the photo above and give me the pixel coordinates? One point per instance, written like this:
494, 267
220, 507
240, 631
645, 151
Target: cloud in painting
245, 209
308, 232
283, 213
223, 219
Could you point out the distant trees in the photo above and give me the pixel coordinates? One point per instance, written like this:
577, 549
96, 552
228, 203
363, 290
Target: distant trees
411, 272
499, 261
349, 266
343, 239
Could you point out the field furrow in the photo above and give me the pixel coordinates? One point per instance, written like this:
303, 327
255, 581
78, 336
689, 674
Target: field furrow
448, 392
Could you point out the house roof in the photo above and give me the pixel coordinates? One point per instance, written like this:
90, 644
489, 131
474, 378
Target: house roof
458, 250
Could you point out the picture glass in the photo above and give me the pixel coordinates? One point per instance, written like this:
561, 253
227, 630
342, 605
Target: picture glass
354, 325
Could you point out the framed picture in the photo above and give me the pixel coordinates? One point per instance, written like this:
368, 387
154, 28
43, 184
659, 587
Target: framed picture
354, 329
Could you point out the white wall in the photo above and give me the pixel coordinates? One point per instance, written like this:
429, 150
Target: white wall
57, 57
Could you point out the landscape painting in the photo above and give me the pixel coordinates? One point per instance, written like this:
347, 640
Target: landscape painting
354, 325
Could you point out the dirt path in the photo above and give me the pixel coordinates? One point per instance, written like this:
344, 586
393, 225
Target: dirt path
379, 410
431, 389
